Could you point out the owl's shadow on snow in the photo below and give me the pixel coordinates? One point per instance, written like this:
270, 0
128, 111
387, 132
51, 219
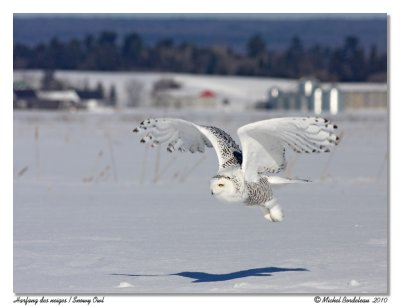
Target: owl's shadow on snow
203, 277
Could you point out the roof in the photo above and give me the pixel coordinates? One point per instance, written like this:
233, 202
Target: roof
25, 94
89, 94
207, 94
59, 95
366, 87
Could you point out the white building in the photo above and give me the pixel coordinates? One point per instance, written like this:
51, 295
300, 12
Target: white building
58, 99
313, 96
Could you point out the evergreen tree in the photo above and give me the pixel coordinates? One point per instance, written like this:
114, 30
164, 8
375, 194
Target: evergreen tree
293, 57
113, 96
49, 81
105, 54
132, 49
255, 46
348, 62
100, 90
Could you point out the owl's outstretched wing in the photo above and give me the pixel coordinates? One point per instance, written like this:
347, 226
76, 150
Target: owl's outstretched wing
182, 135
264, 142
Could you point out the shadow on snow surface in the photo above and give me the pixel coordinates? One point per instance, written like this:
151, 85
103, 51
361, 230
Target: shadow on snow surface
202, 277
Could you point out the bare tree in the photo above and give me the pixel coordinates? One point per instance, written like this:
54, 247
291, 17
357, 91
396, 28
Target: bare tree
134, 89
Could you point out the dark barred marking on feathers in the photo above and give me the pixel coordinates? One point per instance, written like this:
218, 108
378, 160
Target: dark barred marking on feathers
221, 176
262, 170
229, 149
258, 193
237, 184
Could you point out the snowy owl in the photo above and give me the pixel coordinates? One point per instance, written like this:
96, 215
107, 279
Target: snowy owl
245, 175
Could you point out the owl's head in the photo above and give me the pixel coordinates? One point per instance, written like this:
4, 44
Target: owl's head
223, 188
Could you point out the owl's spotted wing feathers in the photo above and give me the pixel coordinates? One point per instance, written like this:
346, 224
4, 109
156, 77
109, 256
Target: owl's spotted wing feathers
264, 142
182, 135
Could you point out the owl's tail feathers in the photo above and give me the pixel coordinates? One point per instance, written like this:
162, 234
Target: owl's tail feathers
272, 211
277, 180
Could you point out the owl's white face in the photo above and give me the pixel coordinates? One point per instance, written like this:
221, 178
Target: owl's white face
224, 190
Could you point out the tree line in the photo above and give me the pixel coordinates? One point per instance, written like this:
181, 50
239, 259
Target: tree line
349, 62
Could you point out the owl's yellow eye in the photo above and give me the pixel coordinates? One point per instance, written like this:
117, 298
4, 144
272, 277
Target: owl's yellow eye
220, 185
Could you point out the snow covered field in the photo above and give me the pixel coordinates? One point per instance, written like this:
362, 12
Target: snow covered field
95, 211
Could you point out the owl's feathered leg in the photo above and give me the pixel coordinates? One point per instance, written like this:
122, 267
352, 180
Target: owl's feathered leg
272, 211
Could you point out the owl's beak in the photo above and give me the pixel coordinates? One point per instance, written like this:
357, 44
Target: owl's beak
212, 192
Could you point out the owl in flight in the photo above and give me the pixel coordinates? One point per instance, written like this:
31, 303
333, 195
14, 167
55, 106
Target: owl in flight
244, 175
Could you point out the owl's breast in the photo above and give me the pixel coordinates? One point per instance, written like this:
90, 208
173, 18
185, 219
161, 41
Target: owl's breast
257, 193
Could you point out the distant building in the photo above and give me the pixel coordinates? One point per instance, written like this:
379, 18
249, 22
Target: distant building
58, 99
313, 96
169, 93
43, 91
31, 99
25, 98
90, 99
364, 95
186, 98
165, 84
207, 98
